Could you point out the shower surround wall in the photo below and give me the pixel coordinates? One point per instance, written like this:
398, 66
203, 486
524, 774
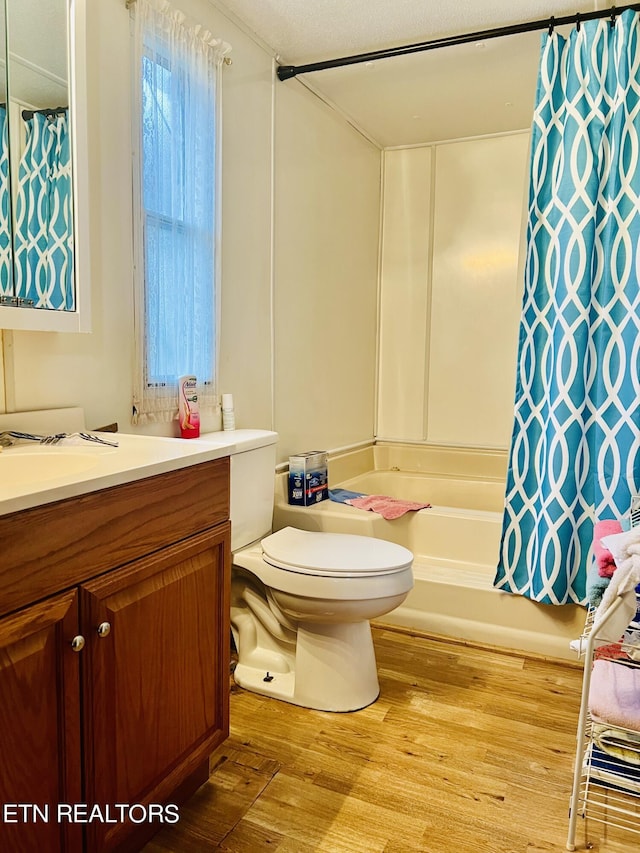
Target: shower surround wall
450, 294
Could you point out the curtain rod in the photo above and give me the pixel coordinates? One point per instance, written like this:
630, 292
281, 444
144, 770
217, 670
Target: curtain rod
285, 72
47, 111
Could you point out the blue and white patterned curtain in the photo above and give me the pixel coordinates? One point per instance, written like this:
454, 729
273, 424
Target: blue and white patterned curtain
575, 452
44, 216
6, 272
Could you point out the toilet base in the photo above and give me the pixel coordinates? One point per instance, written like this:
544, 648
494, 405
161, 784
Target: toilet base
335, 669
253, 679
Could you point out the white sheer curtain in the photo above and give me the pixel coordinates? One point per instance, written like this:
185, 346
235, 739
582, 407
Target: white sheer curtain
176, 113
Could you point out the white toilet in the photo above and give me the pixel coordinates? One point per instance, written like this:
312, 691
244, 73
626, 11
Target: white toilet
301, 600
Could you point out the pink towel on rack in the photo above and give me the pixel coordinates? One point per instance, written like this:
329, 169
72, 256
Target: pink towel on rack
613, 694
387, 507
604, 558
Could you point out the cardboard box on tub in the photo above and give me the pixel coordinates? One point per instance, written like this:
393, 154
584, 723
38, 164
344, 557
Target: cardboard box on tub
308, 479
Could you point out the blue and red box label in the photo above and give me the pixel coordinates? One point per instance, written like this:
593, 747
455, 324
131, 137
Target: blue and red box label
308, 478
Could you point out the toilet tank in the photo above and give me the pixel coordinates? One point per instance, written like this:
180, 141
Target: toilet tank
253, 464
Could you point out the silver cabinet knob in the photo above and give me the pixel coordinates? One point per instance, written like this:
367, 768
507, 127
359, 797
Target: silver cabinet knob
104, 629
77, 644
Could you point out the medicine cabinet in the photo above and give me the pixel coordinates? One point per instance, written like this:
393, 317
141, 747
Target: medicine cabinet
44, 240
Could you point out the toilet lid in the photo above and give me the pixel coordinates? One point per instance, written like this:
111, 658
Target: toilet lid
333, 554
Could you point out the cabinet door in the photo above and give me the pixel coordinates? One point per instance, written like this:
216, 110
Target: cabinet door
39, 727
156, 686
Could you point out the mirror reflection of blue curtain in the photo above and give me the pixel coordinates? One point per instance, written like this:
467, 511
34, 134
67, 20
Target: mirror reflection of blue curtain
44, 235
6, 277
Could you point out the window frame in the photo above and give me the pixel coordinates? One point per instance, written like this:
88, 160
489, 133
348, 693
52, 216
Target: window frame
155, 397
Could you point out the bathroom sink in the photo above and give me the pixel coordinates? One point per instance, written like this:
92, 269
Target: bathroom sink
22, 466
33, 474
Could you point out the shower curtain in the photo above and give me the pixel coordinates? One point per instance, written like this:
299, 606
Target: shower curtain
44, 217
575, 449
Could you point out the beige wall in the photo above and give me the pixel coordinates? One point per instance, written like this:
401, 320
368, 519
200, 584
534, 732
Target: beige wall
325, 241
404, 293
451, 290
326, 261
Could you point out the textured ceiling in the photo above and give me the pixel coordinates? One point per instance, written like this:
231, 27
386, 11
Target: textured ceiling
448, 93
38, 52
304, 31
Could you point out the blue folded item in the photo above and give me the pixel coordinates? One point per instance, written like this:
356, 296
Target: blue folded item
343, 495
613, 772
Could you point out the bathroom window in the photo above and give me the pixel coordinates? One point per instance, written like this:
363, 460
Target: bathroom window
176, 202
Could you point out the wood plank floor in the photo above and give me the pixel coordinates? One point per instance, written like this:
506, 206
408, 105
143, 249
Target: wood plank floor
467, 750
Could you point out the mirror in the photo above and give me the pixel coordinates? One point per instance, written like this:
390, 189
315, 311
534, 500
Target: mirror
6, 254
43, 278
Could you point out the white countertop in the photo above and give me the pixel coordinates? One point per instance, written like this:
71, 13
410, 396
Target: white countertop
33, 474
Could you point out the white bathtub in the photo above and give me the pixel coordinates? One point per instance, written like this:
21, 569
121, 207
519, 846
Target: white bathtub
451, 491
455, 543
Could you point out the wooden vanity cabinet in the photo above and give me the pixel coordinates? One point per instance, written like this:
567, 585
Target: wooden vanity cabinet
130, 718
39, 726
153, 708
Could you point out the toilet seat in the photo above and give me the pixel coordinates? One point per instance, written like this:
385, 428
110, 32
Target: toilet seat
335, 555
